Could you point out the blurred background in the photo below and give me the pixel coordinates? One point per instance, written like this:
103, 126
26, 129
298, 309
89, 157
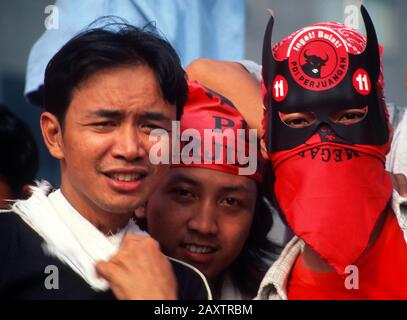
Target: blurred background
22, 22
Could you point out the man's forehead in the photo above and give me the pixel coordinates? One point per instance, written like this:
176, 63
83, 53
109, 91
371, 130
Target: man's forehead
121, 91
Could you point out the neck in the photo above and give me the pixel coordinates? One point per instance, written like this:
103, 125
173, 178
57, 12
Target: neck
106, 222
314, 262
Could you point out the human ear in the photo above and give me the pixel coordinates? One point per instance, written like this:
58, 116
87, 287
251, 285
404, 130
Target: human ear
263, 148
52, 134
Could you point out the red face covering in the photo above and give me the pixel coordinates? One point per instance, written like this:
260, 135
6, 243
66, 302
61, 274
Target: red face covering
331, 192
332, 195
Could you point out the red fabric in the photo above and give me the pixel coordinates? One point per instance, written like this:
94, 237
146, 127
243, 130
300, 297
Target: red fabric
329, 192
325, 195
355, 42
200, 113
382, 272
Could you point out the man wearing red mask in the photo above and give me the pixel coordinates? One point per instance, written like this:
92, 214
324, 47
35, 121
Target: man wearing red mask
327, 135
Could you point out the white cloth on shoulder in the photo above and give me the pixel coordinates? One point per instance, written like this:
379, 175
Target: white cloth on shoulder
68, 235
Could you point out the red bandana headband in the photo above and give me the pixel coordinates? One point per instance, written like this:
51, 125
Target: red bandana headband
217, 135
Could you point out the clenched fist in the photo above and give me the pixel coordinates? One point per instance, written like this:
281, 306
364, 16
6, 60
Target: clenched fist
139, 271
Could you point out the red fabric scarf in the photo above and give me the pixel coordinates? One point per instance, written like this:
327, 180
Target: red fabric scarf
332, 195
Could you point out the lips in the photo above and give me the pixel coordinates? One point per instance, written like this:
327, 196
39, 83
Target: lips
198, 253
125, 180
199, 249
125, 177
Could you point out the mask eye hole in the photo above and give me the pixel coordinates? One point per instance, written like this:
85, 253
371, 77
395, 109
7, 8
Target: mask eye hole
298, 119
349, 116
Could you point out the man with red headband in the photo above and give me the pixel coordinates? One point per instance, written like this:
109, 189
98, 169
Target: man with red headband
327, 135
207, 211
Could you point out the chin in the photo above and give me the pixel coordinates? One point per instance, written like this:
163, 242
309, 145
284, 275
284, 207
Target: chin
121, 207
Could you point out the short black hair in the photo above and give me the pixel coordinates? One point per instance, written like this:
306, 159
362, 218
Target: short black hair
19, 154
112, 45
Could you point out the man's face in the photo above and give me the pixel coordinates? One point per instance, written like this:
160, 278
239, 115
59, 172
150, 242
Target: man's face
202, 216
105, 141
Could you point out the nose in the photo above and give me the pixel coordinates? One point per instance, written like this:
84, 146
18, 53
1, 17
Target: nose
204, 220
129, 144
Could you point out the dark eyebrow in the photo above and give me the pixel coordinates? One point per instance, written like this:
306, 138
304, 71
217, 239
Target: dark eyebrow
117, 114
149, 115
179, 177
106, 113
235, 189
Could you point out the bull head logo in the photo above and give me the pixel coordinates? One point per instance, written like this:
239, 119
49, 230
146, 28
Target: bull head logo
313, 64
